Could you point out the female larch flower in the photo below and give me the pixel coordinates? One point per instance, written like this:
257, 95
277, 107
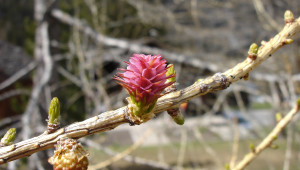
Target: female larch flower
145, 78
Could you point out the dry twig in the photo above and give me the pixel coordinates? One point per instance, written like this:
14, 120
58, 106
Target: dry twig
123, 44
129, 158
182, 149
236, 139
122, 154
22, 72
267, 142
207, 148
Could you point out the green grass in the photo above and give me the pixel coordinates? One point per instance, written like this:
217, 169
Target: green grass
261, 105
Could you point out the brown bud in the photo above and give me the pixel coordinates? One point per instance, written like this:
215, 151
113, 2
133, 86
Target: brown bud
69, 155
246, 77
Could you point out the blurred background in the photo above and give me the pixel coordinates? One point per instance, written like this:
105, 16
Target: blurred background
71, 50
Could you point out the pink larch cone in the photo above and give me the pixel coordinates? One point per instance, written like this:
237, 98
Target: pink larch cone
144, 79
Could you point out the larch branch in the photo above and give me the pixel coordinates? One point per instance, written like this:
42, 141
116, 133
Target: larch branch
109, 120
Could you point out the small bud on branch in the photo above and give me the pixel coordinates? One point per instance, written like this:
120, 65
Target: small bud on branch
278, 117
176, 114
252, 147
53, 115
9, 137
171, 73
288, 16
252, 53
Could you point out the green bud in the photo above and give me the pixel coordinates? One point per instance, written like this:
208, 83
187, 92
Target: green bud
171, 71
278, 117
54, 111
298, 103
140, 108
179, 119
288, 16
9, 137
252, 147
227, 166
253, 50
177, 116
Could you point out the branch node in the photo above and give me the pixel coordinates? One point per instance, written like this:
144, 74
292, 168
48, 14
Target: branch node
134, 119
52, 127
203, 88
246, 77
127, 116
221, 80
